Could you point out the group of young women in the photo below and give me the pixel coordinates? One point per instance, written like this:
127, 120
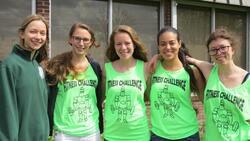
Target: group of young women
77, 88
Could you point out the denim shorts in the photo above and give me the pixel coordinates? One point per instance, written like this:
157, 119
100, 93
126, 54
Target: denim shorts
194, 137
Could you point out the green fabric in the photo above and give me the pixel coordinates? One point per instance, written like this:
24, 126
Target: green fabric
23, 98
76, 111
125, 110
226, 110
172, 113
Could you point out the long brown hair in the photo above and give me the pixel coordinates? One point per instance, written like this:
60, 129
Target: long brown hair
183, 52
43, 51
139, 48
60, 66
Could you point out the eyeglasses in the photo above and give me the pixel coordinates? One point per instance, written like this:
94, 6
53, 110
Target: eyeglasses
222, 49
79, 39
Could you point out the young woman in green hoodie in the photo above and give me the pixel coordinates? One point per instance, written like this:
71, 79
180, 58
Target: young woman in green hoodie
23, 89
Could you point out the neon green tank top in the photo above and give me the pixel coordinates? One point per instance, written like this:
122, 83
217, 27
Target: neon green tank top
76, 110
226, 110
172, 113
125, 110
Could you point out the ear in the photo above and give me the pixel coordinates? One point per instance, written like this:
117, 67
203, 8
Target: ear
70, 41
21, 34
233, 50
180, 43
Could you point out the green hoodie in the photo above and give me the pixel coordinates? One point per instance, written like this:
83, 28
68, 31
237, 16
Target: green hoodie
23, 98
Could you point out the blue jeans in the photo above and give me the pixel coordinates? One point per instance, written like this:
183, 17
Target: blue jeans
194, 137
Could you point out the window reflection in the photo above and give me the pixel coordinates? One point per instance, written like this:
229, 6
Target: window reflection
12, 13
194, 27
236, 22
143, 17
65, 13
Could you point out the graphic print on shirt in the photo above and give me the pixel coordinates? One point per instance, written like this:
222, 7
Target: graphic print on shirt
81, 106
224, 120
167, 101
122, 105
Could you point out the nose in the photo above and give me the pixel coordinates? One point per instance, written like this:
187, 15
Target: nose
38, 36
81, 42
166, 46
123, 46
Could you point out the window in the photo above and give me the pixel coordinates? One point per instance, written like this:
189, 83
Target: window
236, 22
194, 26
12, 13
143, 16
195, 23
66, 13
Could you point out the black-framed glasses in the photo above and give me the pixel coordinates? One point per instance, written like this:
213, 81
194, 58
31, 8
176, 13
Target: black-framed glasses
79, 39
222, 49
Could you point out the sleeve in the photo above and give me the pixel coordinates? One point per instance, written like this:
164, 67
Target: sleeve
9, 123
98, 73
99, 97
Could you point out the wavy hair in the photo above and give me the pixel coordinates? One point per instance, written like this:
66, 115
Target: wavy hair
183, 52
139, 48
60, 66
43, 51
223, 33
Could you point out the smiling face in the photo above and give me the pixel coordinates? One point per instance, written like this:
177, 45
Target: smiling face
124, 46
169, 45
223, 49
34, 36
80, 41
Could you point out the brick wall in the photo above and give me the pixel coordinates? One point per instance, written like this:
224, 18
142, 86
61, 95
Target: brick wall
42, 8
167, 12
198, 106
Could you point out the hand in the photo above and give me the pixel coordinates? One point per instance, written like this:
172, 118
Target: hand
190, 60
152, 63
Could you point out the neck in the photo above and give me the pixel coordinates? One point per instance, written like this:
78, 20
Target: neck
172, 65
227, 69
28, 49
124, 65
126, 62
78, 59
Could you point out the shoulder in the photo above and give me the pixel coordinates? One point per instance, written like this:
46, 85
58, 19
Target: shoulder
197, 72
12, 61
93, 63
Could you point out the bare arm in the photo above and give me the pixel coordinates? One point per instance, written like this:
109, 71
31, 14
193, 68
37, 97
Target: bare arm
200, 82
152, 63
103, 85
204, 66
147, 76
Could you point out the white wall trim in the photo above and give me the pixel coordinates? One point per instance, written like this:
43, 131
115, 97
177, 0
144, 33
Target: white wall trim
212, 19
162, 13
174, 13
248, 42
49, 28
33, 7
110, 17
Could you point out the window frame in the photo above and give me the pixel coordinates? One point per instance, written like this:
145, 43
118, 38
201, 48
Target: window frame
213, 7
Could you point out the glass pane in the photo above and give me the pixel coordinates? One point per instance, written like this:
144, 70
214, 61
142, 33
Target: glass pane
12, 13
194, 26
143, 17
90, 12
236, 22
